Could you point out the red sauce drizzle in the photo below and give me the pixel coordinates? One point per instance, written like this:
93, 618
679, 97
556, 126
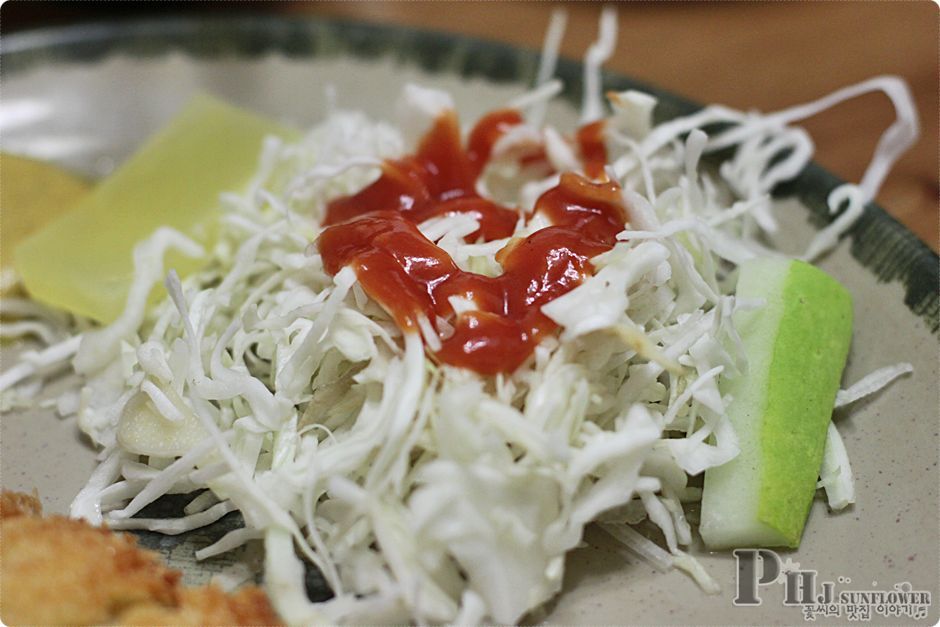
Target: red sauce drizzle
438, 179
375, 231
590, 138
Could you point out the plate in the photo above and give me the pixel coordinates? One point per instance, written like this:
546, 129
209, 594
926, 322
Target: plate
86, 96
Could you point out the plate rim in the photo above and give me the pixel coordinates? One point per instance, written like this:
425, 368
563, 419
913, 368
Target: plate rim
878, 242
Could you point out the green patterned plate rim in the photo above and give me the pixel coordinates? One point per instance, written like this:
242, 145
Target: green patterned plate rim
877, 241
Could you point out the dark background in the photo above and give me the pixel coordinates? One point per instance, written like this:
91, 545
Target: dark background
22, 14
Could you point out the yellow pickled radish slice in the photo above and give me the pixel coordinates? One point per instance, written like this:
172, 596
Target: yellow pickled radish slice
82, 262
32, 194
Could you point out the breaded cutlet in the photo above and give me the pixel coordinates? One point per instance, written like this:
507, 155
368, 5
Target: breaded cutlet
55, 571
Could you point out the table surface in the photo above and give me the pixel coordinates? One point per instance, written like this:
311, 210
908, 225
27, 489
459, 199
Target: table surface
749, 55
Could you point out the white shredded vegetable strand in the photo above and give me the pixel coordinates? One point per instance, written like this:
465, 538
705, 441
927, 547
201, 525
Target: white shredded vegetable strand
547, 62
32, 362
423, 492
592, 107
872, 383
835, 475
173, 526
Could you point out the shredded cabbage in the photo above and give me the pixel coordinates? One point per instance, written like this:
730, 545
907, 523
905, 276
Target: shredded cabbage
424, 492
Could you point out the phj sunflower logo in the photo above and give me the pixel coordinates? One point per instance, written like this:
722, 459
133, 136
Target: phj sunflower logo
802, 588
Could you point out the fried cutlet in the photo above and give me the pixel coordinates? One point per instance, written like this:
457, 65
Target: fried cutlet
19, 504
206, 605
56, 570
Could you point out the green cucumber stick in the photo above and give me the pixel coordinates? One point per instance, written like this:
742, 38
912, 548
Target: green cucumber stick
796, 346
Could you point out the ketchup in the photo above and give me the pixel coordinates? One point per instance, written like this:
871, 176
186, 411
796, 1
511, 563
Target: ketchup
590, 138
375, 231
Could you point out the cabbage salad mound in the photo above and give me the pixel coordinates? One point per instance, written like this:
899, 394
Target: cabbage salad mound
385, 404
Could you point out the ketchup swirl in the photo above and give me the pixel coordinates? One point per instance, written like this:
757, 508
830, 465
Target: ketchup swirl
375, 231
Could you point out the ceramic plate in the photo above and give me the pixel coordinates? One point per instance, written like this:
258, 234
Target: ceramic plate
86, 96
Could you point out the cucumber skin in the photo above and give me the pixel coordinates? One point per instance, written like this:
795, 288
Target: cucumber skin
810, 352
797, 342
